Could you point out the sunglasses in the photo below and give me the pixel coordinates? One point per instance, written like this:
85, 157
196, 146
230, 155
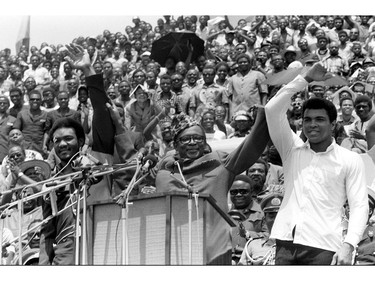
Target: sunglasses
187, 139
361, 106
238, 191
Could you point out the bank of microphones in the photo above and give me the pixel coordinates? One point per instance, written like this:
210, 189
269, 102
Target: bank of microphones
148, 160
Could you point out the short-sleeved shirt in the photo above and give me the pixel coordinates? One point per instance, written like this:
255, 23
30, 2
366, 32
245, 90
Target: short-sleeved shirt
209, 96
173, 101
244, 91
253, 224
336, 64
53, 115
40, 74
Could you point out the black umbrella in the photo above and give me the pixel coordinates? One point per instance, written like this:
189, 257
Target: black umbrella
176, 45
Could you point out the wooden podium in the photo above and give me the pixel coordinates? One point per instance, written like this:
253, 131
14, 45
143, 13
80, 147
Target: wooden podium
157, 230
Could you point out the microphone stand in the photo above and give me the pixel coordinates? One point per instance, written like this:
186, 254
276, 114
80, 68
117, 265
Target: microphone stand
61, 181
84, 185
190, 209
125, 214
124, 202
1, 238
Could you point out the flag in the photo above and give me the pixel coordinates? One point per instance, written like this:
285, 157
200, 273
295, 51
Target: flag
23, 37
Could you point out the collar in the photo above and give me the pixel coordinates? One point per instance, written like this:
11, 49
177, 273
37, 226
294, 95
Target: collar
252, 208
329, 148
213, 85
334, 57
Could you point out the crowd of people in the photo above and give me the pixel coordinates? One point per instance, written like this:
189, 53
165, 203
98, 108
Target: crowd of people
108, 94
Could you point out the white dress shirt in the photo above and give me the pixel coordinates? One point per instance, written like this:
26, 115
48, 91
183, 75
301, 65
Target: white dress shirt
317, 184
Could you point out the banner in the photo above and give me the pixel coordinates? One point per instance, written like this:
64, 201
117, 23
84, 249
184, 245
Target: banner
23, 37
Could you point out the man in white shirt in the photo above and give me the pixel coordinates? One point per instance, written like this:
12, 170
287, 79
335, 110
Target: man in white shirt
319, 177
37, 71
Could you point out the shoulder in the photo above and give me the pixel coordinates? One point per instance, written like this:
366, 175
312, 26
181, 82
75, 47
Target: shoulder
11, 118
258, 74
351, 156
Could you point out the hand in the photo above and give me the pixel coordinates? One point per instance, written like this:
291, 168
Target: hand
356, 134
77, 57
317, 73
13, 166
191, 47
116, 118
344, 255
45, 149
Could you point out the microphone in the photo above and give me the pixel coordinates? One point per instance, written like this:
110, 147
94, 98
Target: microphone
150, 162
178, 163
92, 158
141, 154
81, 162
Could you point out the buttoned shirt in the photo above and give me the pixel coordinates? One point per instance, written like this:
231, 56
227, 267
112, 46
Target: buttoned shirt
317, 184
254, 225
209, 96
244, 91
40, 74
188, 92
53, 115
336, 64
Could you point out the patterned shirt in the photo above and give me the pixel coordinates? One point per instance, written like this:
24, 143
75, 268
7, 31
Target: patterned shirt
336, 64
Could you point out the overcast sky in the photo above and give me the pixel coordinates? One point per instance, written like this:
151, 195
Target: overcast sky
55, 29
61, 21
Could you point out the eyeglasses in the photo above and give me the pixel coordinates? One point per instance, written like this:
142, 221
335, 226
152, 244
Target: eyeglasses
187, 139
239, 191
361, 106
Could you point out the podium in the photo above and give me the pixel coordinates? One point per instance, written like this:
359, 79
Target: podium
157, 230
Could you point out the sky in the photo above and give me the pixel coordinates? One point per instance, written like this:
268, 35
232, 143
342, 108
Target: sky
55, 29
61, 21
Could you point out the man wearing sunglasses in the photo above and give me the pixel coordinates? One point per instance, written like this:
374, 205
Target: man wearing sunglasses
247, 212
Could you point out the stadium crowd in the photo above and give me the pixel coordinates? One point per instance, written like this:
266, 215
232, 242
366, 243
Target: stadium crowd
221, 87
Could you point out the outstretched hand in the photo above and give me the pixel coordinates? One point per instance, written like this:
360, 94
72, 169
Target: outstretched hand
78, 58
317, 73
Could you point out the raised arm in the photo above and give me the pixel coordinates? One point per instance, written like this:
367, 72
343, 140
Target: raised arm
103, 130
151, 126
349, 21
244, 156
280, 132
123, 141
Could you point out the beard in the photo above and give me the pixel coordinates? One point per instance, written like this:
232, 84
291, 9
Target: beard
256, 186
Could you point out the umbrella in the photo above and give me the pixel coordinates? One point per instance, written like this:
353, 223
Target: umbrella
286, 76
176, 45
